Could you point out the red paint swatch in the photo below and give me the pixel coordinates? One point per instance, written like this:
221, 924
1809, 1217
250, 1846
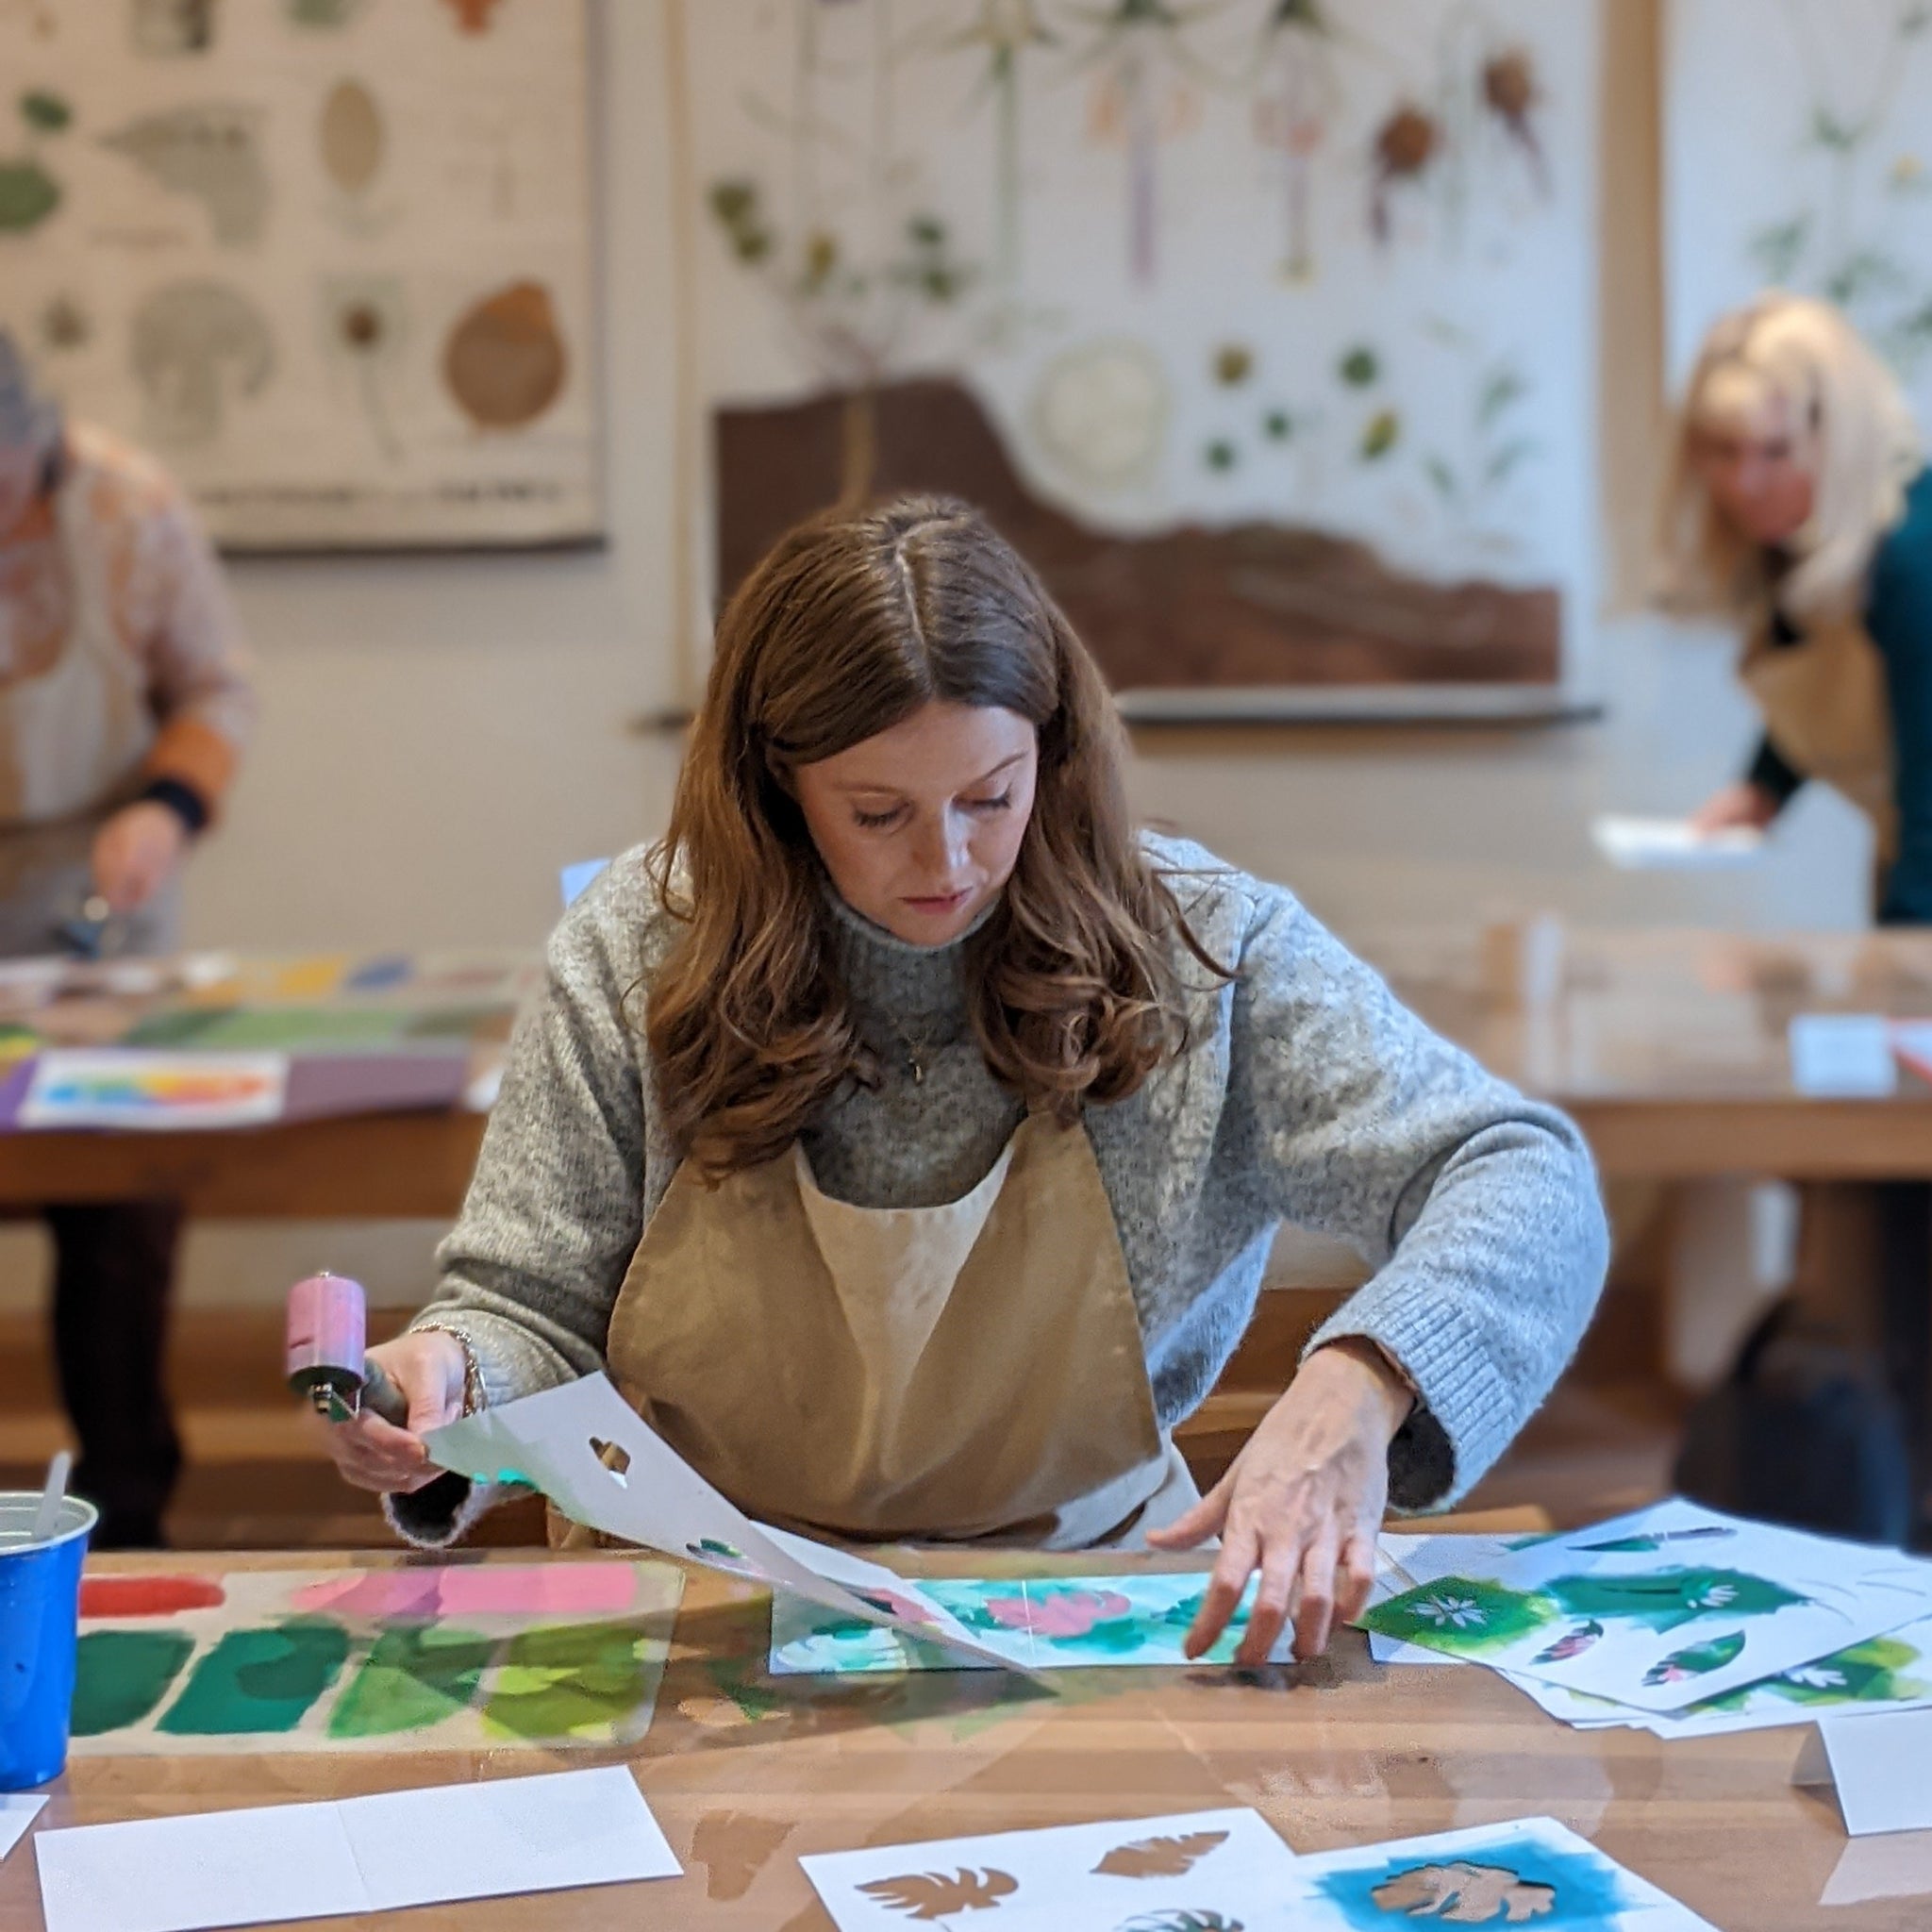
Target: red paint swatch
149, 1596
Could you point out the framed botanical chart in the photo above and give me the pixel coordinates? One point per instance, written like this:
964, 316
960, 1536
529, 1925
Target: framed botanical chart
1264, 327
331, 261
1797, 157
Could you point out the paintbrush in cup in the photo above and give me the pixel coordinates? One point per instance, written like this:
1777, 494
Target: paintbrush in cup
52, 1496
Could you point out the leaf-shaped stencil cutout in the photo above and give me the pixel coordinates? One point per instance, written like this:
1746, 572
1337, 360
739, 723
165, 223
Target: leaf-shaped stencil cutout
933, 1894
1159, 1857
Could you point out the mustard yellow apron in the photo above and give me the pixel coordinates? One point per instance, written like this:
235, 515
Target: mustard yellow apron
72, 742
1827, 709
973, 1370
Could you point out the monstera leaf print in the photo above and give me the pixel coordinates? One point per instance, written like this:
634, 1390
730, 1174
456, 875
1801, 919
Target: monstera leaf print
1159, 1857
929, 1895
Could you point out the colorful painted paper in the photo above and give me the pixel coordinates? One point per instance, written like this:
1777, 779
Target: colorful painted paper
1661, 1609
595, 1457
438, 1657
1036, 1623
162, 1091
1531, 1870
1192, 1871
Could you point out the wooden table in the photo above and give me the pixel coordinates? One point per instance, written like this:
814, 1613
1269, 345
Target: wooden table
1668, 1048
746, 1775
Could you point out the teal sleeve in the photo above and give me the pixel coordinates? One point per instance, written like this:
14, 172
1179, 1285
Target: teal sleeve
1900, 618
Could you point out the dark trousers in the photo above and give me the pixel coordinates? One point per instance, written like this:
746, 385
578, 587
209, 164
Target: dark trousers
1905, 1324
113, 1268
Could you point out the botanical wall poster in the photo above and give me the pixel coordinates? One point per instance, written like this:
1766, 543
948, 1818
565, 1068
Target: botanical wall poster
1263, 327
330, 261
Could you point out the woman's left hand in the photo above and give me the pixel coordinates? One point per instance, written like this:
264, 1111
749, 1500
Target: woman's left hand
1302, 1504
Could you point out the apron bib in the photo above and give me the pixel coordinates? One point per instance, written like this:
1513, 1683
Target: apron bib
71, 744
926, 1374
1827, 709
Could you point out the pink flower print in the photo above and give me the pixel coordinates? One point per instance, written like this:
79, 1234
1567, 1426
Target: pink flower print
1068, 1613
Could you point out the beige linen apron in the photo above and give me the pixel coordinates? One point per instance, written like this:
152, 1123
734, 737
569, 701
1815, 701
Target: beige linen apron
71, 744
928, 1374
1828, 710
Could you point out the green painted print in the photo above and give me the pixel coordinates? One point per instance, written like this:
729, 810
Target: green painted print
576, 1681
1467, 1616
414, 1677
1698, 1661
121, 1676
260, 1680
1666, 1599
1868, 1672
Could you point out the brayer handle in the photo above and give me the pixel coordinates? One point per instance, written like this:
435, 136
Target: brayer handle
382, 1396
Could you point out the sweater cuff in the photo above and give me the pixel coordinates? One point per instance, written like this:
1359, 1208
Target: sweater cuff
1464, 1415
183, 800
442, 1512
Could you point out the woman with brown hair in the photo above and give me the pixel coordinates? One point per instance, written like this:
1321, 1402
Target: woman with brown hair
904, 1134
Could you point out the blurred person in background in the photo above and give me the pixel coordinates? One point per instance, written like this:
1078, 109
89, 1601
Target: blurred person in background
1802, 509
126, 699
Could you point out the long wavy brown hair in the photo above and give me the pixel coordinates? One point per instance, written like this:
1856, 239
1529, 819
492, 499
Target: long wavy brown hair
854, 622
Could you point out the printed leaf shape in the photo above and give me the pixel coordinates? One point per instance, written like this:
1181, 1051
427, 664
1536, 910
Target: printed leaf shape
1699, 1660
1572, 1645
929, 1895
1665, 1599
1464, 1895
1181, 1921
1159, 1857
1643, 1545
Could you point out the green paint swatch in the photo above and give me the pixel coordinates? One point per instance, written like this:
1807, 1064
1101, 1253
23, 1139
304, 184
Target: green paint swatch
259, 1681
414, 1677
573, 1681
122, 1675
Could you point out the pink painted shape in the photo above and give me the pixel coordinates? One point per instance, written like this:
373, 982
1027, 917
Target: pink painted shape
476, 1589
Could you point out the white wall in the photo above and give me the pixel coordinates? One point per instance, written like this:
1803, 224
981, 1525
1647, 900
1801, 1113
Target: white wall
440, 736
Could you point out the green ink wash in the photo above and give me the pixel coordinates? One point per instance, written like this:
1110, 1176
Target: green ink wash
1469, 1617
415, 1676
1667, 1598
1868, 1672
259, 1681
121, 1676
575, 1681
1699, 1660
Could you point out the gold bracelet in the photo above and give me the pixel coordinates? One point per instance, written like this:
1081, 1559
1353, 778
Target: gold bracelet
472, 1373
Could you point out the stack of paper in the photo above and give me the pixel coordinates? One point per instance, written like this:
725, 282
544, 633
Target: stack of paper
1223, 1871
1676, 1620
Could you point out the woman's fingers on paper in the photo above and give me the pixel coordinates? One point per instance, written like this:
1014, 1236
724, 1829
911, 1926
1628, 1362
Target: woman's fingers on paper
1225, 1585
1354, 1578
1274, 1597
1315, 1612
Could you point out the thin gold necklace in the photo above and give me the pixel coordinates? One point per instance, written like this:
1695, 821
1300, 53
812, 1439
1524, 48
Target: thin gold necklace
917, 1047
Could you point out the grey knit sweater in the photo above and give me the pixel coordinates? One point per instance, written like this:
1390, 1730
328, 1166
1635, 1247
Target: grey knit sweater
1307, 1095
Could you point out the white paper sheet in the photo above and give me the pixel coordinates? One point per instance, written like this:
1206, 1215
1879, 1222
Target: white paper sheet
280, 1862
574, 880
1881, 1762
1642, 844
18, 1811
1895, 1865
131, 1088
557, 1441
1669, 1607
1516, 1873
1228, 1863
1842, 1056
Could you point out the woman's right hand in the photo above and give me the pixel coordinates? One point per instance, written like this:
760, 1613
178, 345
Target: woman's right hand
1743, 803
429, 1368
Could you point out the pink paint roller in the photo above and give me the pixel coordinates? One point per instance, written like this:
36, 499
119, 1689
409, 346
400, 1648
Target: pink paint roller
328, 1326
